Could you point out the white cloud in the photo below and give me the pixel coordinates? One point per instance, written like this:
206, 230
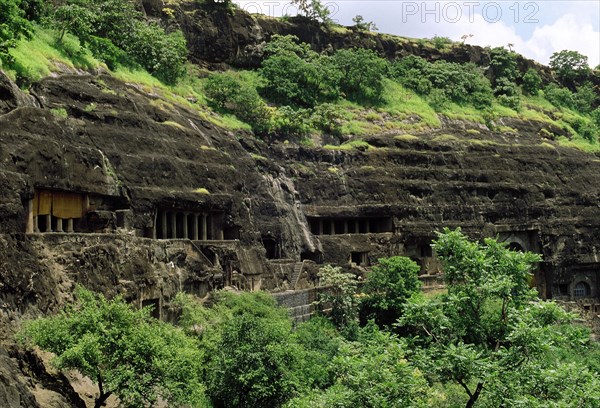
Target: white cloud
566, 33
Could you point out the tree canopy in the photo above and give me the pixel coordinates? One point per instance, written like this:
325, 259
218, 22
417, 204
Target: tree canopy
489, 332
569, 65
13, 25
125, 351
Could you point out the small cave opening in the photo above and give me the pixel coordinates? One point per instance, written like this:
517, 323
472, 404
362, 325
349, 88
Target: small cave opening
359, 258
515, 246
315, 256
272, 248
582, 289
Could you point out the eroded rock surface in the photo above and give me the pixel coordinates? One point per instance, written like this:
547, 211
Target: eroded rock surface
173, 202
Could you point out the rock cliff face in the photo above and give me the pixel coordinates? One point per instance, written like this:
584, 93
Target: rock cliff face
236, 38
167, 201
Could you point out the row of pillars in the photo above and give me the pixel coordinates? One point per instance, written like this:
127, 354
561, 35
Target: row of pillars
60, 224
189, 226
329, 227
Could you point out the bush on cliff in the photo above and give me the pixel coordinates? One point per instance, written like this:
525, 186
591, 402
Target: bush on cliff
296, 75
229, 93
13, 25
108, 25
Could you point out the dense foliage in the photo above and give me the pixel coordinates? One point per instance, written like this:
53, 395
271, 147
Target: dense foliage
113, 30
125, 351
13, 25
389, 285
570, 66
489, 332
487, 341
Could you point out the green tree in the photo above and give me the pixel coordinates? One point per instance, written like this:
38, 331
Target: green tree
230, 93
569, 65
559, 96
162, 54
290, 122
585, 98
508, 93
361, 25
329, 118
296, 75
320, 343
125, 351
410, 71
371, 372
532, 82
489, 328
341, 295
313, 9
503, 64
250, 357
361, 74
13, 25
389, 285
109, 25
254, 364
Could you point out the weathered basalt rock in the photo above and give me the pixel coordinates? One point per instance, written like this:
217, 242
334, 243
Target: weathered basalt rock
216, 35
152, 171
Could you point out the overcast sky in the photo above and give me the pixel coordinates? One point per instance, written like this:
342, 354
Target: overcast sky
536, 28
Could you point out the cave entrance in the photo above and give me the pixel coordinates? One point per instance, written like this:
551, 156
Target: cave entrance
582, 289
515, 246
359, 258
273, 251
316, 256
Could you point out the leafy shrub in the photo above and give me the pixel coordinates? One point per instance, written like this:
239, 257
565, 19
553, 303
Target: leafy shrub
361, 74
508, 93
586, 129
328, 118
559, 96
569, 65
532, 82
596, 116
253, 365
370, 373
459, 83
585, 98
109, 24
231, 94
389, 285
104, 50
288, 122
441, 42
503, 64
13, 25
438, 100
249, 355
296, 75
341, 296
462, 83
320, 342
163, 55
410, 72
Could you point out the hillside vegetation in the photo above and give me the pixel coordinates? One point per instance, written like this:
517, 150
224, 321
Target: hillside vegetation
488, 341
298, 94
